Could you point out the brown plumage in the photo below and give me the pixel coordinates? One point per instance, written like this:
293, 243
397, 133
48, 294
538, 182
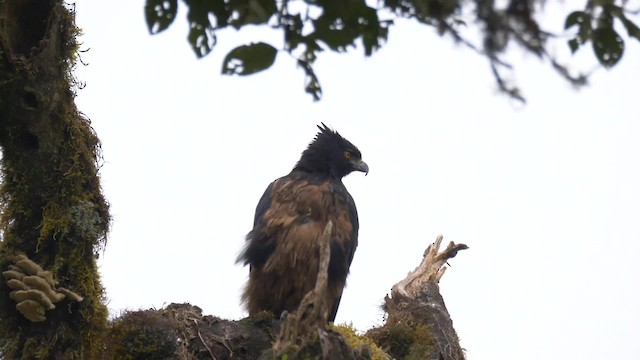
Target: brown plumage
282, 249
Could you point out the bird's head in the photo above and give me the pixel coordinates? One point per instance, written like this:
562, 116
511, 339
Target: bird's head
332, 155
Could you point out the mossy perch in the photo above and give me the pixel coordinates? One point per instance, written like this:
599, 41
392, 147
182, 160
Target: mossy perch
418, 324
361, 344
181, 332
411, 331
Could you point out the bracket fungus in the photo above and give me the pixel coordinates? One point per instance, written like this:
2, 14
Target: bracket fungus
33, 289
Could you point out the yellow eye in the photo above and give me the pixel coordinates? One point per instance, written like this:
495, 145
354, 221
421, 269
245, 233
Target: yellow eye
347, 154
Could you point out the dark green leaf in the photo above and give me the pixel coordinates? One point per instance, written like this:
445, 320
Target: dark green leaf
200, 12
251, 11
311, 83
201, 31
337, 40
583, 21
607, 45
632, 29
605, 18
202, 39
160, 14
575, 18
249, 59
584, 32
337, 37
292, 27
312, 48
371, 29
573, 45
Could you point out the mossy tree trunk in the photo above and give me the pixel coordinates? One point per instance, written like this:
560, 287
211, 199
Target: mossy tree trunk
53, 210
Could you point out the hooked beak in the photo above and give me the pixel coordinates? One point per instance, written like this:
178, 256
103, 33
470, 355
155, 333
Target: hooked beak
361, 166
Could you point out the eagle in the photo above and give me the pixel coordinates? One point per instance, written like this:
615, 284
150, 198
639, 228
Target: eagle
282, 249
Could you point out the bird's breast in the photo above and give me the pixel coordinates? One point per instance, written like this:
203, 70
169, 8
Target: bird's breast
297, 217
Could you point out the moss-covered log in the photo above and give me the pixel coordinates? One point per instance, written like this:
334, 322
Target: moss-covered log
53, 210
418, 327
181, 332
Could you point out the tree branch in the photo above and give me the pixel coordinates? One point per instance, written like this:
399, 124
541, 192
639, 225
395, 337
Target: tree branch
417, 310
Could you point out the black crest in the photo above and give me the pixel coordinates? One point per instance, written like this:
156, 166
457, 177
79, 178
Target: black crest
325, 155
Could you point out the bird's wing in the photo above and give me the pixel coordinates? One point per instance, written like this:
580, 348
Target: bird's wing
287, 206
349, 248
263, 204
355, 225
259, 246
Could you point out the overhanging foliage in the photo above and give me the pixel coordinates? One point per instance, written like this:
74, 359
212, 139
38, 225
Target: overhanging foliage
311, 26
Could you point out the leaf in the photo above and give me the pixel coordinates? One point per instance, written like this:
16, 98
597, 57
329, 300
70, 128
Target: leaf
575, 18
202, 39
205, 17
607, 45
632, 29
251, 11
371, 29
208, 11
159, 14
292, 28
311, 83
337, 37
584, 32
574, 44
249, 59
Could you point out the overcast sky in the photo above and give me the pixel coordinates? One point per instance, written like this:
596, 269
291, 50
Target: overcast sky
546, 195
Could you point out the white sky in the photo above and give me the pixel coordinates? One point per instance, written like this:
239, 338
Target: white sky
547, 196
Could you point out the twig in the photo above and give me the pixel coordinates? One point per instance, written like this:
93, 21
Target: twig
325, 256
222, 341
204, 343
312, 311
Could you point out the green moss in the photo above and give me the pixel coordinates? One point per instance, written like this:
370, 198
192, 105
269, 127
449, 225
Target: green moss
51, 204
301, 347
423, 343
142, 335
263, 320
354, 340
403, 340
260, 319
